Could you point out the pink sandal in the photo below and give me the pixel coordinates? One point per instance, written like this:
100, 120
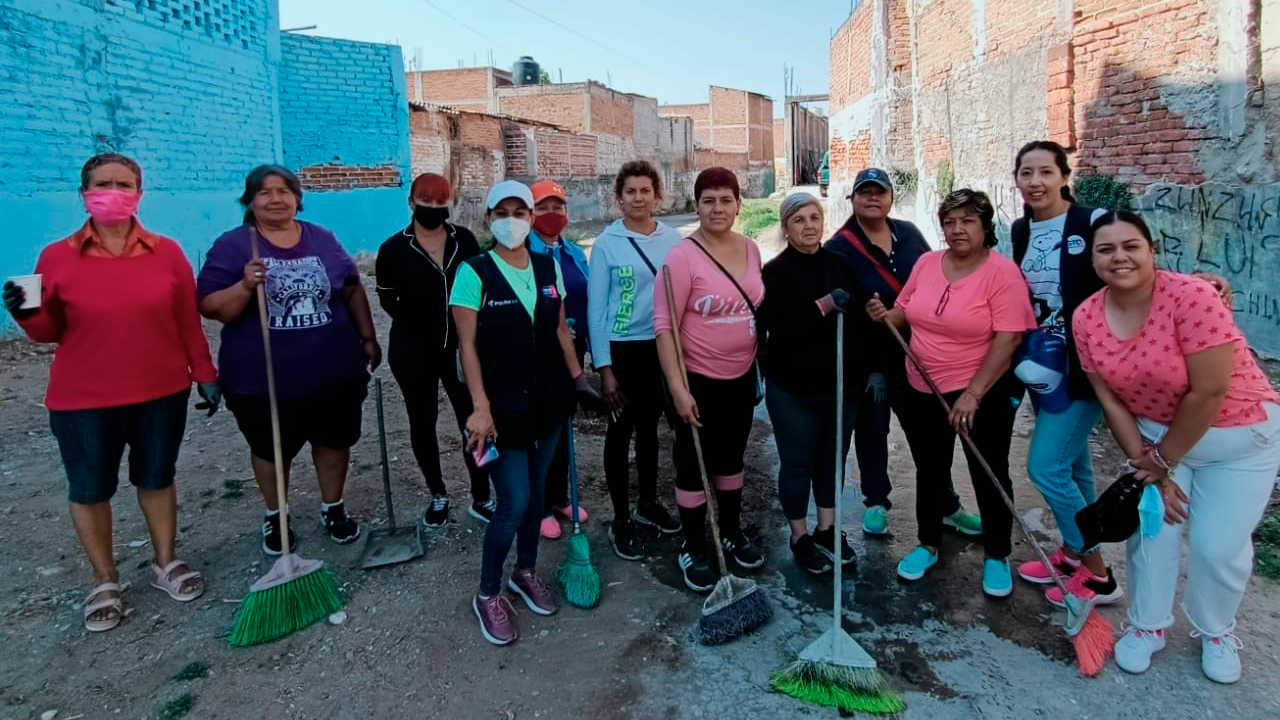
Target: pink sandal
115, 604
173, 587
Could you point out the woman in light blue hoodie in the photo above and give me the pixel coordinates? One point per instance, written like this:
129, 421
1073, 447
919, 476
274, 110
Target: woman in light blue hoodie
625, 262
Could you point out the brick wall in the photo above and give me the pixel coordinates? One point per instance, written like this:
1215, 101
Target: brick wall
699, 113
79, 80
190, 95
850, 93
342, 103
460, 88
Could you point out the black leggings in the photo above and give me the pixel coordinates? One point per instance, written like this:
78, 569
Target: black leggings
635, 365
932, 441
419, 372
725, 410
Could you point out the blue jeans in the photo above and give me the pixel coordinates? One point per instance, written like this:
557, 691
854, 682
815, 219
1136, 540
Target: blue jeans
519, 478
804, 427
1061, 468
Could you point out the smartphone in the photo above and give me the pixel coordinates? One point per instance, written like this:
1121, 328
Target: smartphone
486, 453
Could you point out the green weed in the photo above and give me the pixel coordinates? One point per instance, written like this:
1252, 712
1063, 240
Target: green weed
193, 671
1267, 542
232, 489
758, 214
178, 707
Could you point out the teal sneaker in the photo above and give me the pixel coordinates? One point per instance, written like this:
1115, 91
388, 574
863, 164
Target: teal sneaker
875, 521
916, 563
963, 522
997, 579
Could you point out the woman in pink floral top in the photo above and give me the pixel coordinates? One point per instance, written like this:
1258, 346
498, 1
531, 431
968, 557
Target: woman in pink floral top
1196, 416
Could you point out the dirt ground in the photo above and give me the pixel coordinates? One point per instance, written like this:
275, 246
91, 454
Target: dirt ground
409, 647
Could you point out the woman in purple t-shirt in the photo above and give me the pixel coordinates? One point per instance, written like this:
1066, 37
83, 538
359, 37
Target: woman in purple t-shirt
322, 340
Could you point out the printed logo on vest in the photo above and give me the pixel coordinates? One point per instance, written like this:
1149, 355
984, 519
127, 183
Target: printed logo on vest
501, 303
551, 292
1075, 245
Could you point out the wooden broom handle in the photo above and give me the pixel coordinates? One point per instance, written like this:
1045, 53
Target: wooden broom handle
272, 401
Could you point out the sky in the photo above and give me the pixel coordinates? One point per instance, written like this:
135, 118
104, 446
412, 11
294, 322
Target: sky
668, 49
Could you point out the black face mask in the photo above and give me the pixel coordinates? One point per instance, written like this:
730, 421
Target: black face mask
430, 217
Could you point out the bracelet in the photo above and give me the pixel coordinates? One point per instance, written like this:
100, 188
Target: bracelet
1154, 452
975, 395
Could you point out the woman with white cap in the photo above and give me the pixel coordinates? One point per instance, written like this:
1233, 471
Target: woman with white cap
522, 372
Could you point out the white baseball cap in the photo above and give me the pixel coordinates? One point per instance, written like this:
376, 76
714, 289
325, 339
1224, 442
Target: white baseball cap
509, 189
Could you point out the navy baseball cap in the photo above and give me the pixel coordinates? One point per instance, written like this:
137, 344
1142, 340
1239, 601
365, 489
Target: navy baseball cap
872, 175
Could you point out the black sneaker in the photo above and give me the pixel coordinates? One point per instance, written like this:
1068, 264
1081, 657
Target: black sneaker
271, 536
824, 540
698, 575
655, 516
341, 528
483, 511
437, 513
626, 544
742, 551
808, 558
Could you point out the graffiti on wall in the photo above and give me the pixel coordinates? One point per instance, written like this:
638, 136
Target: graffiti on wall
1230, 230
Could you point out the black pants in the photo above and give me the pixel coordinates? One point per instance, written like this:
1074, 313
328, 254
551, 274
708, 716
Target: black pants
420, 371
932, 441
871, 441
639, 375
726, 409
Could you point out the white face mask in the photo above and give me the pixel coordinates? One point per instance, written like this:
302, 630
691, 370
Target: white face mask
510, 232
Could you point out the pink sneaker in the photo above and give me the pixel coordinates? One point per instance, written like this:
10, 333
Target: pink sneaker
566, 511
550, 527
1089, 587
1036, 572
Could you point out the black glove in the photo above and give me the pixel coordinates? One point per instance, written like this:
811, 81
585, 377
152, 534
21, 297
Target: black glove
212, 395
588, 397
834, 301
14, 296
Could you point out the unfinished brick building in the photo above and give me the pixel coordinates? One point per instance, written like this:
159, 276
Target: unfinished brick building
1166, 97
733, 129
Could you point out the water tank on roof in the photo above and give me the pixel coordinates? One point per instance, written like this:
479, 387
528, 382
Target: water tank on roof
526, 71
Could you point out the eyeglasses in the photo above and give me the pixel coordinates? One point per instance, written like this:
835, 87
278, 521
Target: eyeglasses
942, 301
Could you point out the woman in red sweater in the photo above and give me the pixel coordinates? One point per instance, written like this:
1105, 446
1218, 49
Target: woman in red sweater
120, 303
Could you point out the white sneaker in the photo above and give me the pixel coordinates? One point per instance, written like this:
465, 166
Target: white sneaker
1220, 657
1135, 648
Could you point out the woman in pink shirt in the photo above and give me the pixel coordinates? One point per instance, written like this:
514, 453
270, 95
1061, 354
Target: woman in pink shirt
120, 302
967, 307
1196, 416
716, 277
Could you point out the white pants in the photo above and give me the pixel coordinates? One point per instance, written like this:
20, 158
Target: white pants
1228, 476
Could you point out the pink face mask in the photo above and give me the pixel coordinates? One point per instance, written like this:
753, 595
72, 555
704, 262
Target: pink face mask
111, 206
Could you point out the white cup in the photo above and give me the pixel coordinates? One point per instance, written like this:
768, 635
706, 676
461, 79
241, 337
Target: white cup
31, 286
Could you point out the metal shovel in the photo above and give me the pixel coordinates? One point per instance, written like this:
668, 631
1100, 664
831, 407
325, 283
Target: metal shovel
390, 545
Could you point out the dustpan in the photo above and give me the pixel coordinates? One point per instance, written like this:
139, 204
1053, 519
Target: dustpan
393, 544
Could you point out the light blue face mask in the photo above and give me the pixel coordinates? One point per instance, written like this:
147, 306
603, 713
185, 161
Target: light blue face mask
1150, 512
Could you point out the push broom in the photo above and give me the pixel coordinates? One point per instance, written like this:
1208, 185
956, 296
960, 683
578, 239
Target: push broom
296, 592
578, 577
1091, 635
736, 606
834, 670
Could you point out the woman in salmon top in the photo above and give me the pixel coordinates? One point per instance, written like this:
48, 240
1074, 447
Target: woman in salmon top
967, 307
1196, 416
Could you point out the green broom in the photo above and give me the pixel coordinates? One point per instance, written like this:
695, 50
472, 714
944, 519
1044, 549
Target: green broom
834, 670
295, 593
578, 577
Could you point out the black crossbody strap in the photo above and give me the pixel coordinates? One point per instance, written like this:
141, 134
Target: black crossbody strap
643, 257
727, 274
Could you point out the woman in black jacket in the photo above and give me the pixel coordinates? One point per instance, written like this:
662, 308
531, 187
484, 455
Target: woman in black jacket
805, 286
415, 271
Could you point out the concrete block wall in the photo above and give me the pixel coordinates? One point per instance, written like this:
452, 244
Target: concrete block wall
344, 118
191, 95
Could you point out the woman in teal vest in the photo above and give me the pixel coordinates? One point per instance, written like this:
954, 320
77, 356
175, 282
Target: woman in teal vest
521, 370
